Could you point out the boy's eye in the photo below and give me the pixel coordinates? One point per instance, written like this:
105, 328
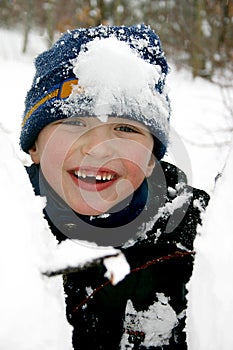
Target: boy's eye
74, 122
126, 128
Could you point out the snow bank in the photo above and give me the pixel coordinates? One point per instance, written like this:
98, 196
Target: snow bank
210, 306
32, 306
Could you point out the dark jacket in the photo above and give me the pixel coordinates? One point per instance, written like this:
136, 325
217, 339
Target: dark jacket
146, 310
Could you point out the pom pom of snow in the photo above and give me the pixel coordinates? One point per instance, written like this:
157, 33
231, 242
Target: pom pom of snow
119, 80
111, 64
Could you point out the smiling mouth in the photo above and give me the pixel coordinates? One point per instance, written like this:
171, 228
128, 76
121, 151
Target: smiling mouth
90, 177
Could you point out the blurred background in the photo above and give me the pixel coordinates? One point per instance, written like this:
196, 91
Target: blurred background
195, 33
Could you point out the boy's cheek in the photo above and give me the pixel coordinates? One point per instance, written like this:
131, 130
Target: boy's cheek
140, 159
54, 150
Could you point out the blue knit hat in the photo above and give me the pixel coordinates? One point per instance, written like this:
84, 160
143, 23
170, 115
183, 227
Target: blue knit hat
57, 91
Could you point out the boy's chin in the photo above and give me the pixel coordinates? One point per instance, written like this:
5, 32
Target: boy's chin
96, 211
102, 208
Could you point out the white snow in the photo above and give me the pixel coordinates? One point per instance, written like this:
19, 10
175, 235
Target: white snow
117, 268
32, 305
211, 286
201, 123
107, 62
75, 253
156, 323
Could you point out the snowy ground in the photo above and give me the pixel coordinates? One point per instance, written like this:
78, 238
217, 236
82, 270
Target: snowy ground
200, 144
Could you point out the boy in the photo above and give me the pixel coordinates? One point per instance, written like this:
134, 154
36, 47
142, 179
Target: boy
96, 125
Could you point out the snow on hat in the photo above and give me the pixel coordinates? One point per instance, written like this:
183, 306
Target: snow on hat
101, 71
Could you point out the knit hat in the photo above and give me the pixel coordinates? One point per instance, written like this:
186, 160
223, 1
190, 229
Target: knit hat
102, 71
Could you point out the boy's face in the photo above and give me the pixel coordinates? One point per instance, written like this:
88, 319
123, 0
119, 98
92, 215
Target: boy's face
94, 165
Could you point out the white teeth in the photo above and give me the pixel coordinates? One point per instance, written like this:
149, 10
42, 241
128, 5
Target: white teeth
104, 177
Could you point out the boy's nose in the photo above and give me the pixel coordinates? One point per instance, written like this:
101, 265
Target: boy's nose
97, 142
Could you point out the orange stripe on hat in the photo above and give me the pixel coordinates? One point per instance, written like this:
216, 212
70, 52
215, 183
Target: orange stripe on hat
63, 92
67, 88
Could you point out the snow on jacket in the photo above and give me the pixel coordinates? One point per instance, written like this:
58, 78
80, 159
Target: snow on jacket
147, 309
